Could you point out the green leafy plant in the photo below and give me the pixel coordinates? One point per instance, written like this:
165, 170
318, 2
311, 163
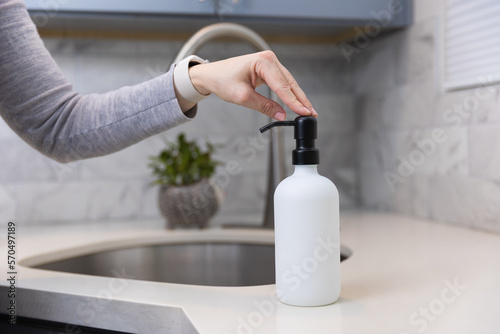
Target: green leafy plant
183, 162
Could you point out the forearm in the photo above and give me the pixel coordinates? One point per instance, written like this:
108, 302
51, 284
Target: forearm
98, 124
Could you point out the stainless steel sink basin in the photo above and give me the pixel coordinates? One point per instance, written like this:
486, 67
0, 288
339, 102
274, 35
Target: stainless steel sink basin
200, 263
209, 257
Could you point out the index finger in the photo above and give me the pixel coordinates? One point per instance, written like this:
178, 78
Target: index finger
296, 90
275, 79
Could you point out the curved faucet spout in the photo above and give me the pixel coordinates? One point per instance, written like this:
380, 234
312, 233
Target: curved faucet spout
219, 30
276, 166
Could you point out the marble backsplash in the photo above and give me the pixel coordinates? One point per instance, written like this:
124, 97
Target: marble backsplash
37, 190
423, 151
390, 137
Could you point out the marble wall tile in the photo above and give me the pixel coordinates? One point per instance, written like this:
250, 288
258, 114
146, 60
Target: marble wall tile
384, 150
450, 108
56, 203
117, 186
486, 109
420, 189
317, 75
378, 70
457, 181
355, 55
400, 107
167, 49
417, 54
429, 153
49, 202
68, 67
452, 156
8, 205
149, 202
244, 198
424, 9
421, 151
6, 133
375, 193
221, 50
85, 46
338, 150
21, 162
468, 201
336, 112
478, 105
99, 74
370, 151
307, 52
418, 99
407, 150
128, 163
113, 200
217, 116
59, 46
410, 197
249, 153
485, 151
369, 109
346, 180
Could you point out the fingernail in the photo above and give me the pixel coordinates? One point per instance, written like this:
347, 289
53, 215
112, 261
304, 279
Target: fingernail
280, 116
314, 112
308, 112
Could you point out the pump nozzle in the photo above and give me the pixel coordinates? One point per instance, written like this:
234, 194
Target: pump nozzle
273, 124
305, 134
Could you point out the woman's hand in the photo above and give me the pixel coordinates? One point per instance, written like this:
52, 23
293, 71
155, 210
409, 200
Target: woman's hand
235, 80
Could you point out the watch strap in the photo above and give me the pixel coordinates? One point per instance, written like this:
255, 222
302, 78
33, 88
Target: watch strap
182, 80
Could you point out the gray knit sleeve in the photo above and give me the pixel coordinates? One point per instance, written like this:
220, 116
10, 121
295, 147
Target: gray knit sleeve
40, 105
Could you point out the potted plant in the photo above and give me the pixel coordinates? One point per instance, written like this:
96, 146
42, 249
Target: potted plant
187, 195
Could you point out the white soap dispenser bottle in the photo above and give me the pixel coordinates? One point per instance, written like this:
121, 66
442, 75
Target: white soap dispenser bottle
306, 223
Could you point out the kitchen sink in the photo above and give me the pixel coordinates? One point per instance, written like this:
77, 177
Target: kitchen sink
209, 258
214, 263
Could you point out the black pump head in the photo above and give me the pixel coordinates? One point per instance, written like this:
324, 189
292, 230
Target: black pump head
305, 133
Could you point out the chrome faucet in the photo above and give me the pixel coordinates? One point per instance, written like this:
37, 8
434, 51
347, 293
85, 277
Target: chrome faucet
276, 165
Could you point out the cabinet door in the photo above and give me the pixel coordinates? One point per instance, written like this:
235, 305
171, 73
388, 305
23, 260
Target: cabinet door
193, 7
343, 11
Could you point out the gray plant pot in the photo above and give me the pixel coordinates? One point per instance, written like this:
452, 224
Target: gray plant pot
189, 206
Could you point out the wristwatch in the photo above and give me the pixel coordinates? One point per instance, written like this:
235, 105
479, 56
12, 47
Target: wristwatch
183, 82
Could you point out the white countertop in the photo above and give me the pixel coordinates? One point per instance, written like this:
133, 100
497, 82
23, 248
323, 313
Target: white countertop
404, 276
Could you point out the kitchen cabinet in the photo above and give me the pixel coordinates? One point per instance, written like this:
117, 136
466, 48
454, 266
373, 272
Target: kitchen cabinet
174, 7
394, 12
